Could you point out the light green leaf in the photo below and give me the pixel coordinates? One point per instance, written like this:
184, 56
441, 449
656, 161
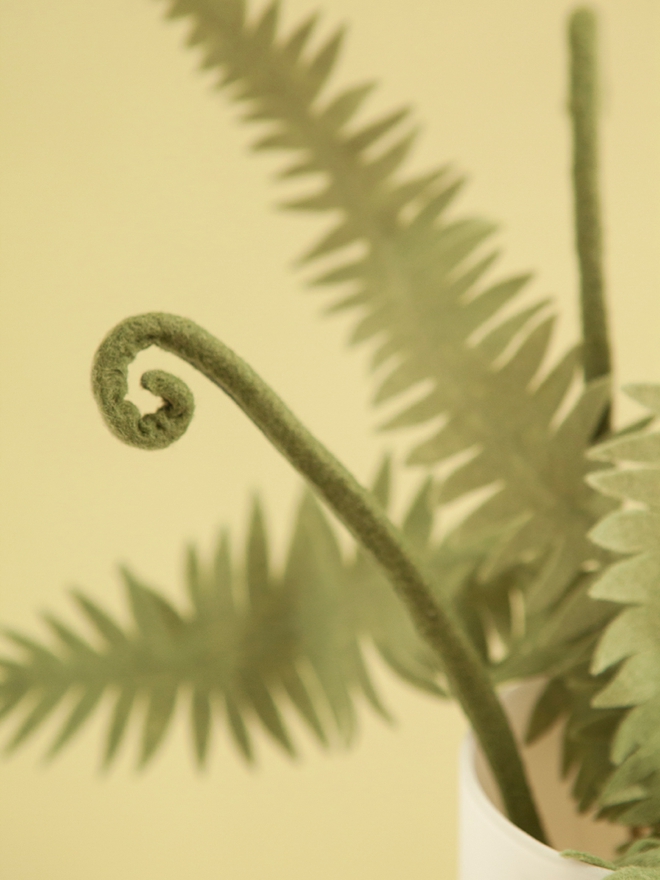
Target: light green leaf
296, 644
238, 729
102, 621
587, 858
646, 394
201, 721
299, 695
630, 644
263, 704
120, 717
642, 485
630, 581
338, 112
39, 713
642, 448
160, 706
628, 531
418, 290
321, 65
81, 711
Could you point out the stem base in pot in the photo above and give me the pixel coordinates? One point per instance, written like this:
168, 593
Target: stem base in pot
491, 847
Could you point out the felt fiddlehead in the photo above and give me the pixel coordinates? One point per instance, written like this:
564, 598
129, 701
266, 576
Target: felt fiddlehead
353, 505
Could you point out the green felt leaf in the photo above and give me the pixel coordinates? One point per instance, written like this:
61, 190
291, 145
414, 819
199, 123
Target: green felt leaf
300, 696
641, 484
419, 291
194, 579
201, 722
632, 872
630, 645
497, 340
645, 851
646, 394
381, 488
337, 238
292, 48
266, 709
490, 301
81, 711
446, 443
344, 106
49, 699
119, 721
587, 858
640, 860
106, 626
418, 521
642, 448
264, 643
549, 707
260, 642
371, 133
257, 562
628, 531
160, 707
629, 581
323, 62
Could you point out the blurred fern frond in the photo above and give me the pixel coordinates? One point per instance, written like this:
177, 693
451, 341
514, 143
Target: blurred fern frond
254, 643
629, 648
417, 292
240, 651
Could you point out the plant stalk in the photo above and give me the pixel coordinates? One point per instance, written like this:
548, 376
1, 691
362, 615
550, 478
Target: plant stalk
583, 108
354, 505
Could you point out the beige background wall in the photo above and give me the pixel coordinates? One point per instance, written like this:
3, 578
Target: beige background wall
126, 187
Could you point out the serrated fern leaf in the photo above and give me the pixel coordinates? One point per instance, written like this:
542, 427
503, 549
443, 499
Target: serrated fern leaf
640, 860
253, 642
418, 290
630, 645
201, 722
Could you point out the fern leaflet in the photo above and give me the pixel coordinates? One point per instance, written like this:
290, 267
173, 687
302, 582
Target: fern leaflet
630, 646
252, 643
417, 290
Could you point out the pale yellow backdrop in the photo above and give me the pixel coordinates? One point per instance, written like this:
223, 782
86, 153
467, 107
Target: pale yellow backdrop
127, 187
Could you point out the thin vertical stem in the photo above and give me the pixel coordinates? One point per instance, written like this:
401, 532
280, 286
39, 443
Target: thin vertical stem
583, 107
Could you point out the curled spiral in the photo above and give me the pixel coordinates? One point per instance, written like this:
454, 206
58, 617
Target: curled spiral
110, 385
430, 612
193, 344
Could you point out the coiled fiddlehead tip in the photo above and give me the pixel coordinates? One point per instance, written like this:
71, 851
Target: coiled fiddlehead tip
110, 385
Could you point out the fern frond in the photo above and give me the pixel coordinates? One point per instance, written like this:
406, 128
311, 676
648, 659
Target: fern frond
418, 291
252, 641
587, 731
630, 646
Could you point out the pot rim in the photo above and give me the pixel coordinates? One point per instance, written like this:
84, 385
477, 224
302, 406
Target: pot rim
469, 782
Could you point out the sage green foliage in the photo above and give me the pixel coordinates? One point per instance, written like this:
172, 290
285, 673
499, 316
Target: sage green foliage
250, 637
631, 643
627, 655
431, 612
254, 640
418, 290
640, 860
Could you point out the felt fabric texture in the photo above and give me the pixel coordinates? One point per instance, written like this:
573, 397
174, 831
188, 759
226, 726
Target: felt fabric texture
432, 615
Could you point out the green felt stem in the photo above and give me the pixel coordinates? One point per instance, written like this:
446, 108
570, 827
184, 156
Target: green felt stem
583, 107
353, 505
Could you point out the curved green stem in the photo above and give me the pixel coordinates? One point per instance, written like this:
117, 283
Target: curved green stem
355, 507
583, 106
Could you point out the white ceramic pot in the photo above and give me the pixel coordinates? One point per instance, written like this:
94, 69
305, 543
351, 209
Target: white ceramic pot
492, 848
